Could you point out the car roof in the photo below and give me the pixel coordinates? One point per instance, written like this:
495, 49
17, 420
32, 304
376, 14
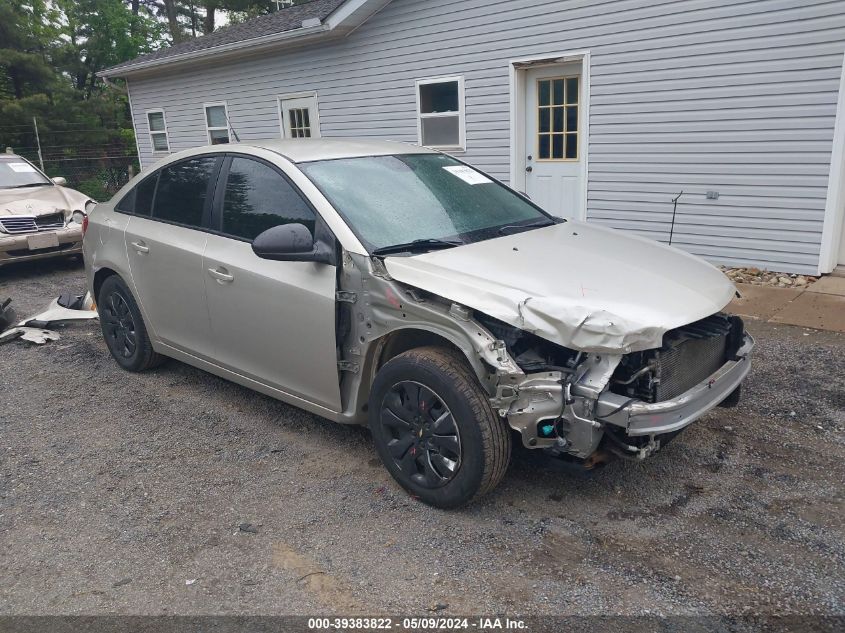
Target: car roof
11, 157
302, 150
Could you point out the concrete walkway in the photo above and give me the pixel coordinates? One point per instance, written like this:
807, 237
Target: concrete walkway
820, 305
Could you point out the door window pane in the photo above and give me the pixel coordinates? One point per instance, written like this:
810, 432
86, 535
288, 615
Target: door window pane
182, 191
300, 123
557, 116
259, 198
144, 196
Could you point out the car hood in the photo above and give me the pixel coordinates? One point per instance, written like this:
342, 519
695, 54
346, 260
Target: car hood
41, 200
580, 285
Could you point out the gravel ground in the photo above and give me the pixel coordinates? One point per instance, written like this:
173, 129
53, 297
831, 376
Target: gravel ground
175, 492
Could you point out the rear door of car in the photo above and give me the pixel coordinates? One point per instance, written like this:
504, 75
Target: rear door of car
165, 240
272, 321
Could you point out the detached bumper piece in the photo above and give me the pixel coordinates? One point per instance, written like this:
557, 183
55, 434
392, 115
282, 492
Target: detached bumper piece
639, 418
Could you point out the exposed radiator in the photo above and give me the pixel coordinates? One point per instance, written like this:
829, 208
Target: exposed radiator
689, 355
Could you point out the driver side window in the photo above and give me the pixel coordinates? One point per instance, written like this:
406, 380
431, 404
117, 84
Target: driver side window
258, 198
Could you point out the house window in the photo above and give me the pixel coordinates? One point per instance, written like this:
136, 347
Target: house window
300, 123
158, 131
217, 123
440, 111
557, 112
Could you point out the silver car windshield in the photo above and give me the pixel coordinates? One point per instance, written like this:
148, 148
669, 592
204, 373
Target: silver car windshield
420, 198
19, 173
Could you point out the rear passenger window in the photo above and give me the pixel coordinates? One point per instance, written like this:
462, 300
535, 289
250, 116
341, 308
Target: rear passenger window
140, 199
259, 198
182, 191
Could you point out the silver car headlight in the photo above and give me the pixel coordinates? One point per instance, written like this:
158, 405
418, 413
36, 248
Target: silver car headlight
77, 217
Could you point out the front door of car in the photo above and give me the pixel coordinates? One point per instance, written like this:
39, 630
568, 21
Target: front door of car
272, 321
165, 249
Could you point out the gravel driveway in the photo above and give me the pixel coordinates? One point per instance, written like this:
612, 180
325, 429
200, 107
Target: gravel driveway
175, 492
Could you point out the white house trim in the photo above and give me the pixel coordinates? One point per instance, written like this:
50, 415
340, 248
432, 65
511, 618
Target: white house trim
308, 94
208, 129
834, 207
135, 127
516, 68
462, 123
150, 131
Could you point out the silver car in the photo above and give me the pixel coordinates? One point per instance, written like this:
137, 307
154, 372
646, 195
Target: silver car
39, 216
386, 284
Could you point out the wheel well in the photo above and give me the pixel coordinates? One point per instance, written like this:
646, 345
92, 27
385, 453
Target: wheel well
403, 340
99, 277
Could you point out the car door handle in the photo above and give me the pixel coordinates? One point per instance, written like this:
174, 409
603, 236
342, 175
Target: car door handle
142, 248
221, 275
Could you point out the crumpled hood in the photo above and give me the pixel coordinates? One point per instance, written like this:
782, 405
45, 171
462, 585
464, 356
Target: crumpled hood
41, 200
583, 286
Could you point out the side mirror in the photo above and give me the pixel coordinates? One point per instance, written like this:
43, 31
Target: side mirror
59, 180
290, 243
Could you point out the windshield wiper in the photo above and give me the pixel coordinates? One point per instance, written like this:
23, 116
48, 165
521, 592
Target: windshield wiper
426, 244
530, 225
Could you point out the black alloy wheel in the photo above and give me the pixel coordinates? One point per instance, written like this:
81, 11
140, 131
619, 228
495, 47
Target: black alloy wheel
422, 437
119, 325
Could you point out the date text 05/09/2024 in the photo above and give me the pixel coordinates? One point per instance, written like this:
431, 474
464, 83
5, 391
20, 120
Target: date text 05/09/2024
417, 624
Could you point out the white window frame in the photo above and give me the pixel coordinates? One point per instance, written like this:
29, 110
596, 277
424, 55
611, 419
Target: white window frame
151, 132
461, 147
227, 127
315, 120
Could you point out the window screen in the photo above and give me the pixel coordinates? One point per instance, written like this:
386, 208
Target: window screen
182, 191
259, 198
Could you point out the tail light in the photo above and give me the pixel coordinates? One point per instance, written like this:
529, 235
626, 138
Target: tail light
84, 225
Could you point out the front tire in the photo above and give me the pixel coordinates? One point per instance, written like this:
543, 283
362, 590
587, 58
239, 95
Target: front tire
123, 327
435, 430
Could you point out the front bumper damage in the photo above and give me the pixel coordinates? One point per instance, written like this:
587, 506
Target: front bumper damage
16, 248
582, 411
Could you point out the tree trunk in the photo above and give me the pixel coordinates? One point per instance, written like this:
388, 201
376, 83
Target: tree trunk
208, 21
172, 21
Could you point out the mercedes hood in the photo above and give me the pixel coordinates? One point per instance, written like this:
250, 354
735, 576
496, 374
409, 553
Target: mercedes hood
580, 285
44, 200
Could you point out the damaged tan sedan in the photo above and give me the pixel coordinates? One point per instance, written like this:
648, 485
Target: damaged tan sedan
39, 216
385, 284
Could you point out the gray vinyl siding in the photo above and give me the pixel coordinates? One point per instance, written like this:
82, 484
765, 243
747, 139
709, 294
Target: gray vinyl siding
689, 95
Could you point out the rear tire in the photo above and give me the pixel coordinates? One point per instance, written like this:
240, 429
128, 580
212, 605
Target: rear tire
435, 430
123, 327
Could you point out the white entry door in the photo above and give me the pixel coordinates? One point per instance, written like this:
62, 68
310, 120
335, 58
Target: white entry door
300, 117
553, 138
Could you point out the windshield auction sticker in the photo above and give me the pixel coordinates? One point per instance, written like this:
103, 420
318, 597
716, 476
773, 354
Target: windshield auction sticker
468, 174
21, 167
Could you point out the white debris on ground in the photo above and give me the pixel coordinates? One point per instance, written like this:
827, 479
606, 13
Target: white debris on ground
758, 277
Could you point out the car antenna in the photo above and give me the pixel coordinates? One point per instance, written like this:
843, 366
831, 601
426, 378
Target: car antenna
234, 133
674, 211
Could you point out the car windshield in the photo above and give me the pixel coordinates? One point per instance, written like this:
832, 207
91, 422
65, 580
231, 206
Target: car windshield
420, 200
19, 173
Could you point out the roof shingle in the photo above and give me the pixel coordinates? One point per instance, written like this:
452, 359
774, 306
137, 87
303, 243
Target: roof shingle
287, 19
